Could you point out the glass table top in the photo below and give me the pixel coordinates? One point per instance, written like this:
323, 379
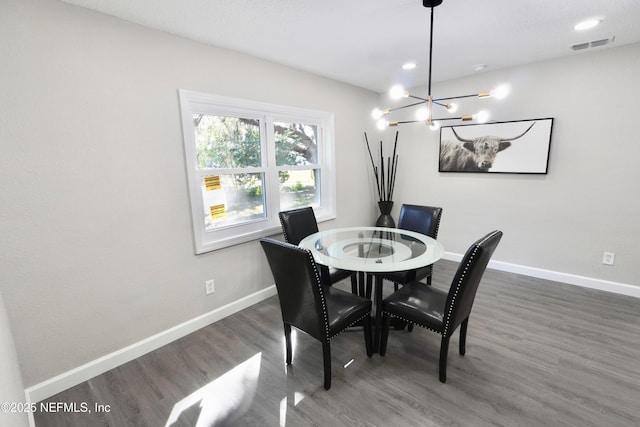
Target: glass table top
372, 249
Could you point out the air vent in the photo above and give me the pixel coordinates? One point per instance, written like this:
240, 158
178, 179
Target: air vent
594, 43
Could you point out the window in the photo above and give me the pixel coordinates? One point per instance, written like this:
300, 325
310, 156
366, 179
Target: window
247, 160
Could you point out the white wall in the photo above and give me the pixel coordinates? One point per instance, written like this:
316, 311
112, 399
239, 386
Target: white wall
97, 245
11, 389
586, 204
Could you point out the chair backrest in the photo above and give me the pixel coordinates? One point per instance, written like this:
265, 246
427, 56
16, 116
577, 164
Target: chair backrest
466, 280
298, 224
300, 291
421, 219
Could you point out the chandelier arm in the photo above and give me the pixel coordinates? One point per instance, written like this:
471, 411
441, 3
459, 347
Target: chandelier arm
408, 121
403, 122
475, 95
407, 106
449, 118
418, 97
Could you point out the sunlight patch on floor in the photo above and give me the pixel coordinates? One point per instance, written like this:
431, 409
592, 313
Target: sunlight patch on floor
297, 397
224, 399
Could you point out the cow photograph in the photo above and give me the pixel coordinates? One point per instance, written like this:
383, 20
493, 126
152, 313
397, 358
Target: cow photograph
503, 147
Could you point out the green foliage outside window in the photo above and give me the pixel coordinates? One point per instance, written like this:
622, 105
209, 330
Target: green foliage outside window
234, 143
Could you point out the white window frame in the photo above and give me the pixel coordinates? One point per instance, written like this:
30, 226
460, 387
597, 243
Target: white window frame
196, 102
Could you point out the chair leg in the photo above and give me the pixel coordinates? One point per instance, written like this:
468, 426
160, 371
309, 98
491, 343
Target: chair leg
324, 275
326, 357
287, 339
444, 349
367, 336
429, 275
378, 317
354, 284
384, 335
463, 336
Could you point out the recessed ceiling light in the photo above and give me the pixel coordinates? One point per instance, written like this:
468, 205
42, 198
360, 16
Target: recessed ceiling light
480, 67
409, 66
587, 24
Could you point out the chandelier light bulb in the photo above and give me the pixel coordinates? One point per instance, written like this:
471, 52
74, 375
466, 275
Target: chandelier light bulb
500, 92
422, 114
481, 116
397, 92
452, 108
435, 125
382, 124
376, 113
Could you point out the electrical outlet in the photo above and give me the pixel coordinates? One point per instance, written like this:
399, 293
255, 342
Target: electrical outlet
608, 258
209, 287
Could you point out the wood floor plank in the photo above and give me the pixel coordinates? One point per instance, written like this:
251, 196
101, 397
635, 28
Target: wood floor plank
539, 353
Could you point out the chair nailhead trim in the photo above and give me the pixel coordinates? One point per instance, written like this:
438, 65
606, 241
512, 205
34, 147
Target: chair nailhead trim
350, 325
325, 313
465, 271
412, 321
319, 284
284, 230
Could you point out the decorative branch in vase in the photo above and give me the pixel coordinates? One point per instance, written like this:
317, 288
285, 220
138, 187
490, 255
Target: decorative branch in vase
385, 183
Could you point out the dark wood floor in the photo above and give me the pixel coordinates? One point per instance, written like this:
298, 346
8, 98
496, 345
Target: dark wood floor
539, 353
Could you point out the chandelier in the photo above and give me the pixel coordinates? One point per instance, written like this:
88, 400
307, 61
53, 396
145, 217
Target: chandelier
424, 113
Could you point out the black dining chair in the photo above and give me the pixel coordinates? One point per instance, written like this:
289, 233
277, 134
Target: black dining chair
298, 224
309, 305
439, 311
421, 219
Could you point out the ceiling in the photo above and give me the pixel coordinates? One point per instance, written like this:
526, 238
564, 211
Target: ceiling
365, 43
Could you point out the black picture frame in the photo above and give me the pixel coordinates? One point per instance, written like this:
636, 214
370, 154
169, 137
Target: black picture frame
518, 146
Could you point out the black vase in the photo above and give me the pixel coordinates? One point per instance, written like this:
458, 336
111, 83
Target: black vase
385, 219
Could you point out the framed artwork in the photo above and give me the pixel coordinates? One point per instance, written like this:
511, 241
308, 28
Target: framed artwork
520, 146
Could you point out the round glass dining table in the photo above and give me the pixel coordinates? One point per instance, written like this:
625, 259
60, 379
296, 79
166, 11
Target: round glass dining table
373, 250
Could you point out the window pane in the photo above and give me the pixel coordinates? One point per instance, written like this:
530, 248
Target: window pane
227, 142
232, 199
296, 144
299, 188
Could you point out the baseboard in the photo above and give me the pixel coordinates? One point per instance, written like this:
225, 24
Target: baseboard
556, 276
96, 367
89, 370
